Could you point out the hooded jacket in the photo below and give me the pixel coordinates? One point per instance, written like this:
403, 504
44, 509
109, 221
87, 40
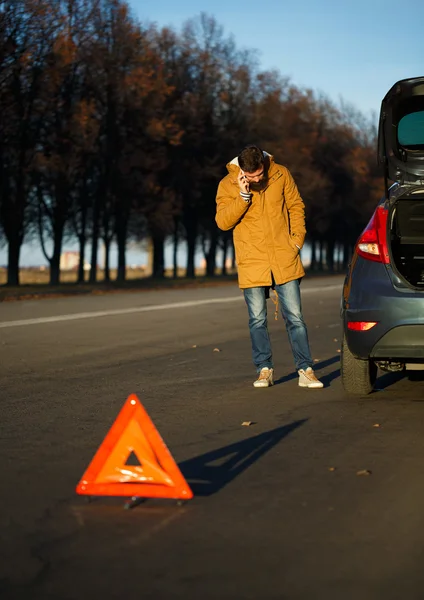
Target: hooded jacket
268, 231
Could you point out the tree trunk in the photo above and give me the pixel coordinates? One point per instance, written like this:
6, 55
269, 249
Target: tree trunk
106, 266
175, 252
81, 272
321, 255
340, 257
191, 249
13, 228
95, 239
55, 260
313, 264
121, 239
211, 256
14, 251
330, 255
224, 254
158, 256
83, 203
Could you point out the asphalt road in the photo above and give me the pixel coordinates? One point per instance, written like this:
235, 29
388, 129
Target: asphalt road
280, 511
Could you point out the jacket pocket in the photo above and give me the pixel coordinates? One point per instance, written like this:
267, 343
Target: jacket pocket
293, 245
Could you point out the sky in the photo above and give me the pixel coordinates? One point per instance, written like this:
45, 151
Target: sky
349, 50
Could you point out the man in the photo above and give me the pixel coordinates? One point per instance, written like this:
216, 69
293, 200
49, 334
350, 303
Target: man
259, 200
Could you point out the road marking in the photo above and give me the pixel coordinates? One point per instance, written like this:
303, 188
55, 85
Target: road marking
141, 309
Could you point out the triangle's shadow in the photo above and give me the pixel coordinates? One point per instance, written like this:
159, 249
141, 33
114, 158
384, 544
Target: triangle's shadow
210, 472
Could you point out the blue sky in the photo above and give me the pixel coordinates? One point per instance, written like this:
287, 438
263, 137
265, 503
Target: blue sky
352, 50
355, 49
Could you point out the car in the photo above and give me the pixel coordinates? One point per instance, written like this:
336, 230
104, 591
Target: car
382, 303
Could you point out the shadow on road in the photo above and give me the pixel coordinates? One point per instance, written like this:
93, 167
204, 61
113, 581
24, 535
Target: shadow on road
389, 379
210, 472
326, 379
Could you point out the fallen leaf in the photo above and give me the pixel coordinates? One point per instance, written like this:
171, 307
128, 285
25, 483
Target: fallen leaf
363, 472
376, 425
338, 350
331, 469
247, 423
335, 340
194, 346
216, 350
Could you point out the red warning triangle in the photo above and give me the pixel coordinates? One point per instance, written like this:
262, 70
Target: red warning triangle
157, 474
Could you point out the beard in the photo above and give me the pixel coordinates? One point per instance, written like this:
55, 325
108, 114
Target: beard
259, 186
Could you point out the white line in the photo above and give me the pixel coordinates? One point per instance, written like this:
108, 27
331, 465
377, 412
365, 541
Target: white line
140, 309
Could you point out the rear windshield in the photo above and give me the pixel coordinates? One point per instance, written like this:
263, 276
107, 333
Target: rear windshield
410, 131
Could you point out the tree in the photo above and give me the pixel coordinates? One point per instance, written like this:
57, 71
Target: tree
24, 41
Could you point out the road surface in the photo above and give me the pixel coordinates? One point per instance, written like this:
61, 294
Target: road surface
280, 511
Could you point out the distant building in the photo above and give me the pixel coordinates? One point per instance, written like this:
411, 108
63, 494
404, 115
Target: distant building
69, 261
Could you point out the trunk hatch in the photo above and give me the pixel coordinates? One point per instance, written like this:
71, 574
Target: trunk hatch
401, 132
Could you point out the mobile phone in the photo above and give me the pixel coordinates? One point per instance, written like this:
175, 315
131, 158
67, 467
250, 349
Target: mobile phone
245, 182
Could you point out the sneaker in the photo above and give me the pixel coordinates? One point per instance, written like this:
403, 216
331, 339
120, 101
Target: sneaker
307, 379
265, 379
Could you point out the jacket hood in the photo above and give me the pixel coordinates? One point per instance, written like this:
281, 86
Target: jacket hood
233, 166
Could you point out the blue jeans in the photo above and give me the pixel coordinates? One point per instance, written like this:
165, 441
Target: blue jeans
291, 310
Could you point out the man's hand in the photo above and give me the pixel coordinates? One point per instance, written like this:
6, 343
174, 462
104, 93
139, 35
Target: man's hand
243, 183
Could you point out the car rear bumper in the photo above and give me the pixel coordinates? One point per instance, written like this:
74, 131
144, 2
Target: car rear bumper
404, 342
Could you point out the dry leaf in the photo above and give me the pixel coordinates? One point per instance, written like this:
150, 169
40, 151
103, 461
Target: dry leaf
331, 469
247, 423
376, 425
363, 472
335, 340
194, 346
216, 350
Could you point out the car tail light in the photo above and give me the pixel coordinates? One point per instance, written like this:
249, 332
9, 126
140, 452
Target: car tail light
372, 243
361, 325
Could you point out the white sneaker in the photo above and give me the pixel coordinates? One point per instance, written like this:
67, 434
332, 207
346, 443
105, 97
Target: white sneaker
307, 379
265, 379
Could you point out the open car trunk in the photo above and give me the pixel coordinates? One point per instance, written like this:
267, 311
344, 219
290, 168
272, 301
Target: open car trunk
407, 237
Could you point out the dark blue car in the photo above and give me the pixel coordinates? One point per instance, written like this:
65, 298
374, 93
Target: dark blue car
383, 295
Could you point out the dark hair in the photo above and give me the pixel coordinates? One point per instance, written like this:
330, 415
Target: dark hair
251, 159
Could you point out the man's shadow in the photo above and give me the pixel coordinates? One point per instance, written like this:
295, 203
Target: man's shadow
210, 472
326, 379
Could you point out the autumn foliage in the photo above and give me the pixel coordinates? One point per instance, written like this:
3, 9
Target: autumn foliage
114, 130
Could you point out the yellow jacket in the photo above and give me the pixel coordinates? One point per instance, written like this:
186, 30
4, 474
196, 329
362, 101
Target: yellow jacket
267, 230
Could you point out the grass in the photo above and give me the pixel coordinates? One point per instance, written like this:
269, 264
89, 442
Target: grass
34, 283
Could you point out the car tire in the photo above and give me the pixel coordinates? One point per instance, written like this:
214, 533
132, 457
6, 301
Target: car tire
358, 375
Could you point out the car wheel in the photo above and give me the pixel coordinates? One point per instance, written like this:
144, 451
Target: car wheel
358, 376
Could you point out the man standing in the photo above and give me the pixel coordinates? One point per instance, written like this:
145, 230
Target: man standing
259, 200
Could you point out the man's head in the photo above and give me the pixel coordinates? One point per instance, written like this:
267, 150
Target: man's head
251, 160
